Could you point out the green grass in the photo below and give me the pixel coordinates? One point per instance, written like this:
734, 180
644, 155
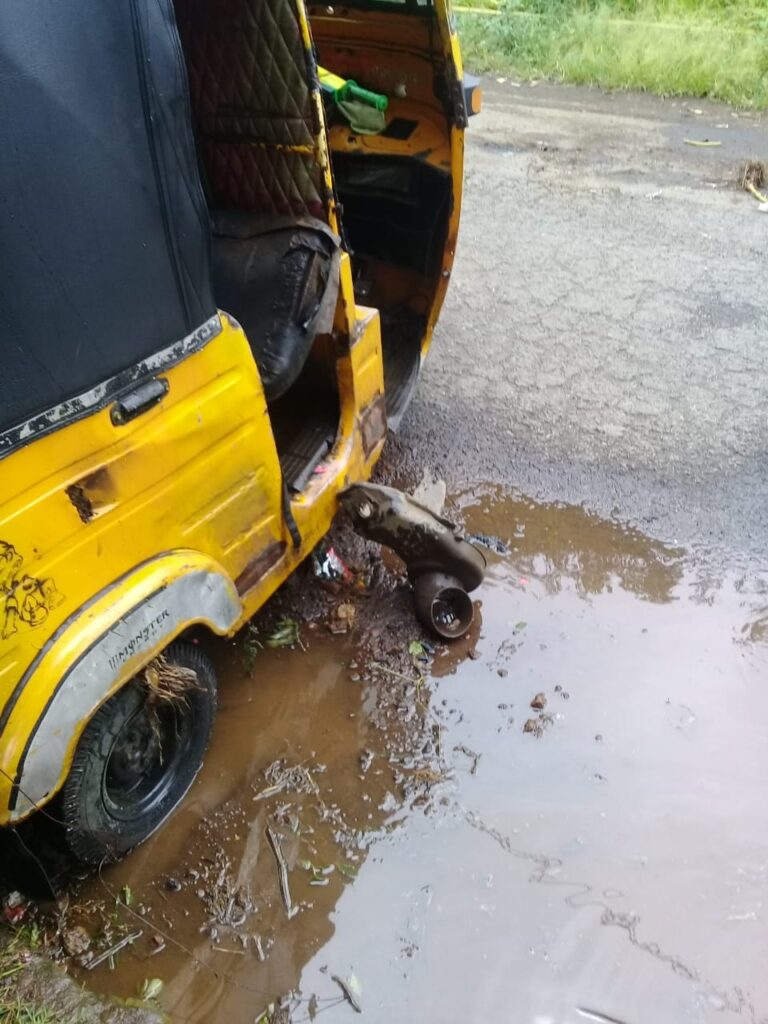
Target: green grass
715, 48
18, 1011
13, 1008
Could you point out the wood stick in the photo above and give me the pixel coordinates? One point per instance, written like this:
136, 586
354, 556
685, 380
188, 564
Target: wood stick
127, 941
282, 871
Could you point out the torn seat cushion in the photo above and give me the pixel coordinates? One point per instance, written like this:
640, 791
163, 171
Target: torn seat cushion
279, 277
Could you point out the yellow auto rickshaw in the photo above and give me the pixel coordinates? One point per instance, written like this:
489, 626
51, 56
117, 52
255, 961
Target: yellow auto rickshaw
217, 285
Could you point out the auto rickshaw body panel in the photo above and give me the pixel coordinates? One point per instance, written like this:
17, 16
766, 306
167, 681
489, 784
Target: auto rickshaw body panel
149, 480
89, 538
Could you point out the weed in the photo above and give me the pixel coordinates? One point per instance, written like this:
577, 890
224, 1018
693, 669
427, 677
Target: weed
14, 1009
670, 47
168, 683
251, 647
753, 177
285, 634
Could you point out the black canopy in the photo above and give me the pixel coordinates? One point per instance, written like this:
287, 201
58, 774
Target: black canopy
103, 224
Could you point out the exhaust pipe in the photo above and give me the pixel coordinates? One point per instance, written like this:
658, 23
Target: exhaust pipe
443, 605
442, 565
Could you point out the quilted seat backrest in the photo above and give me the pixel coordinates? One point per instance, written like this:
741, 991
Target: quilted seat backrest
251, 105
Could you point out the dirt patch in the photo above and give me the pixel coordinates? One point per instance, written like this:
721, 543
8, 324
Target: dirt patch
34, 989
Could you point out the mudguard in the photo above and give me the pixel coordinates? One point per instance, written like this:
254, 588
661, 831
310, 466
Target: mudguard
99, 648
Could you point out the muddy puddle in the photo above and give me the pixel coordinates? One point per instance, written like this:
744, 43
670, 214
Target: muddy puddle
452, 853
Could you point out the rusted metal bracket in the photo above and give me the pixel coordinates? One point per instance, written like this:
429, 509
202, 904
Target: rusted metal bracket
442, 565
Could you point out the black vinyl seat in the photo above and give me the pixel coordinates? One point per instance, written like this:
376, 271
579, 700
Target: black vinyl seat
279, 277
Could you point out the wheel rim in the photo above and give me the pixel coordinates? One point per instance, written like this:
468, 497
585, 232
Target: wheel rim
145, 758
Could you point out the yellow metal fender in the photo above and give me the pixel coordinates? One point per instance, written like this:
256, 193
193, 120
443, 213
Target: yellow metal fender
99, 648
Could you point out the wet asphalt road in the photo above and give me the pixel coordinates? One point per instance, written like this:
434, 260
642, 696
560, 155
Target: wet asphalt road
605, 338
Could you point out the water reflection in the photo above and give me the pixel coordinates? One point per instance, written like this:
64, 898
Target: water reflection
554, 543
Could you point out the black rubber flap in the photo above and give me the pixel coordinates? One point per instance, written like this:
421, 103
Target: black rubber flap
103, 226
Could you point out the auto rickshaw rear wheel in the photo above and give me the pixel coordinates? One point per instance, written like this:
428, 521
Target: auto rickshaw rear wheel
137, 758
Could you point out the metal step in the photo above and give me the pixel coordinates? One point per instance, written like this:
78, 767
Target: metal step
304, 451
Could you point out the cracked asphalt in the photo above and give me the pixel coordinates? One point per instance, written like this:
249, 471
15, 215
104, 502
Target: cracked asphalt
605, 337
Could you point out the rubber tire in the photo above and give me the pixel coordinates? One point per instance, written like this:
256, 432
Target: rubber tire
93, 833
